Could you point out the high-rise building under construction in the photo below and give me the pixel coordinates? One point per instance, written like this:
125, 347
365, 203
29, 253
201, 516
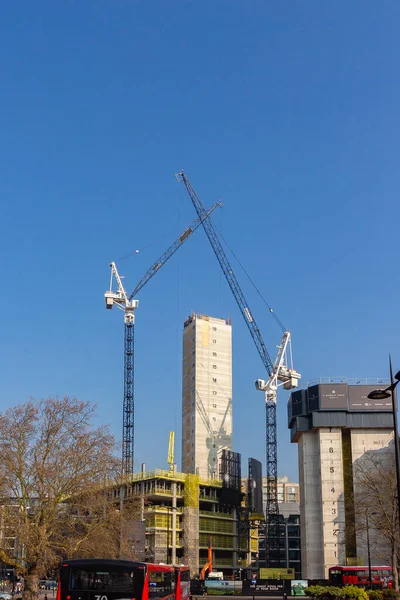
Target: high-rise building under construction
206, 393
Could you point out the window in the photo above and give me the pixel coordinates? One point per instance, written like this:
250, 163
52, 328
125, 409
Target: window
214, 418
214, 354
160, 584
214, 393
214, 366
214, 380
214, 406
214, 329
116, 579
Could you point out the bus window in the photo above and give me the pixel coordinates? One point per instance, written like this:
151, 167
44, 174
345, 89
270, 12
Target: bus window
161, 584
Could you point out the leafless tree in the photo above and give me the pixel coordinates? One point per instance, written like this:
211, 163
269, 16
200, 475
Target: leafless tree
57, 476
376, 500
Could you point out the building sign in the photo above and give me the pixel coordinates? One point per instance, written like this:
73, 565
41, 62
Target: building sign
333, 396
358, 399
262, 587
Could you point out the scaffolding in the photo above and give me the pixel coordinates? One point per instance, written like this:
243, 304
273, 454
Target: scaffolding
191, 523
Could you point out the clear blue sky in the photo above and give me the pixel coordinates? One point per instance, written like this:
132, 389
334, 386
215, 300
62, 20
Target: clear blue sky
287, 111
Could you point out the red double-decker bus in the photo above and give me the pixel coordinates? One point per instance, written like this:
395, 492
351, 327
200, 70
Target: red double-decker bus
381, 577
182, 583
102, 579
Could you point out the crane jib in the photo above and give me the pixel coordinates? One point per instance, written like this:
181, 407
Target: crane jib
229, 274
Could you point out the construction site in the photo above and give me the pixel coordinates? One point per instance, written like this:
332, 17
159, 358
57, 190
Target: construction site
204, 514
201, 516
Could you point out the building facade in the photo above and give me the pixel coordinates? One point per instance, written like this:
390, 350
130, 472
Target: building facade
287, 491
206, 394
334, 425
289, 539
289, 526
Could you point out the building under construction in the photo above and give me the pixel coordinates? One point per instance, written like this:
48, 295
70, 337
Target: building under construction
206, 393
184, 514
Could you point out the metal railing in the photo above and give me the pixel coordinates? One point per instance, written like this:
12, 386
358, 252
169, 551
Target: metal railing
348, 380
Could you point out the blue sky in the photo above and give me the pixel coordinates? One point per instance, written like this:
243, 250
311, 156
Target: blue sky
286, 111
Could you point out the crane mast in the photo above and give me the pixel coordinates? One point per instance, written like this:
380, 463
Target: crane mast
120, 299
280, 372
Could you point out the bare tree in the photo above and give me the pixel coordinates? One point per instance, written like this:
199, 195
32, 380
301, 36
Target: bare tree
57, 476
376, 500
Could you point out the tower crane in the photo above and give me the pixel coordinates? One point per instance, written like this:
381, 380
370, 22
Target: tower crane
280, 373
218, 438
128, 305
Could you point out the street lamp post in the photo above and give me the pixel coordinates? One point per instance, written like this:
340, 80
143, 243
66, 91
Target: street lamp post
369, 553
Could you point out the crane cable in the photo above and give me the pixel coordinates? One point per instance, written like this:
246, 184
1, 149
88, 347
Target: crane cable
271, 310
142, 248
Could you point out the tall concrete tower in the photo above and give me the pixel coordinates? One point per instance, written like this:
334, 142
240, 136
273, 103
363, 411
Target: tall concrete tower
335, 426
206, 393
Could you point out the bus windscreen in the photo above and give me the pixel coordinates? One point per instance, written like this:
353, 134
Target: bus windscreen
115, 579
